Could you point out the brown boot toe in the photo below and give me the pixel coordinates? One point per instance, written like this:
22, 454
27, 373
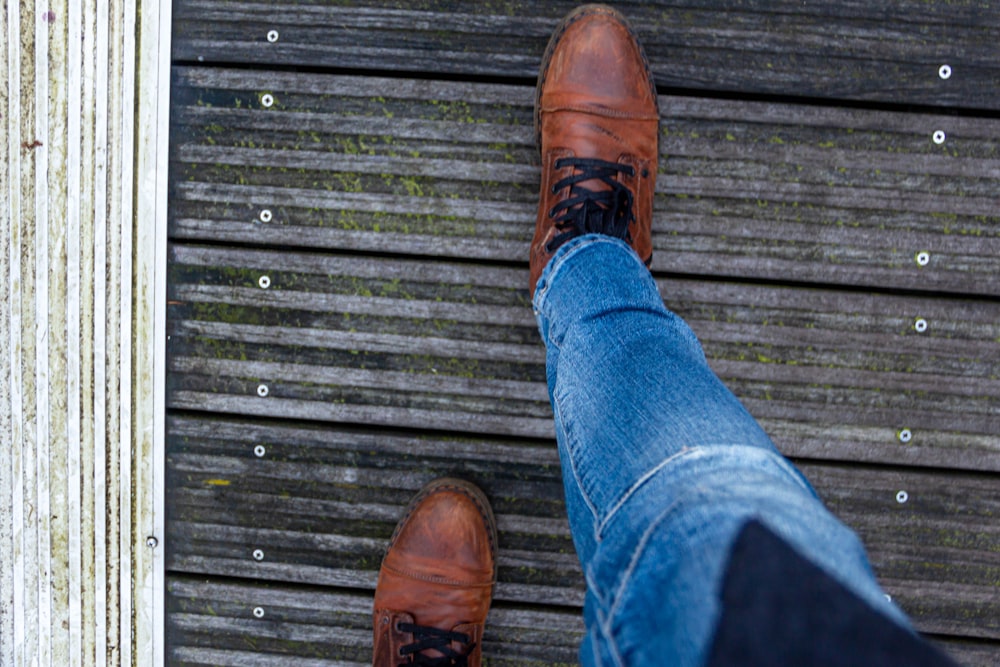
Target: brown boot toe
437, 577
597, 124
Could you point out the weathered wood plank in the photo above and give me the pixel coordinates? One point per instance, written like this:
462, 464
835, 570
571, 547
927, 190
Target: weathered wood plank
327, 502
454, 346
884, 51
748, 190
971, 653
321, 503
213, 622
945, 525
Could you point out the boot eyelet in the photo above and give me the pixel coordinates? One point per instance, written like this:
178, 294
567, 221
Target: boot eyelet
554, 190
645, 173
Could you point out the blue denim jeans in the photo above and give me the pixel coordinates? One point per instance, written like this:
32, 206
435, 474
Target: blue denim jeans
662, 465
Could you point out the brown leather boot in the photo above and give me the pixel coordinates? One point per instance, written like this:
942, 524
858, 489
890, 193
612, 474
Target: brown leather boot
436, 582
597, 124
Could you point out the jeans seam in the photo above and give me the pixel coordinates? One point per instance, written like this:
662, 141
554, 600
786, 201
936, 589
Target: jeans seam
649, 474
636, 557
626, 577
557, 415
655, 524
604, 621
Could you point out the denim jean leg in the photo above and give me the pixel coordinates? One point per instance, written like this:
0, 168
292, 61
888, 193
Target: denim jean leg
661, 463
627, 378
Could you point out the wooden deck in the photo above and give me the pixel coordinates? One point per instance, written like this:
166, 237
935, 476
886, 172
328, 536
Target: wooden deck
351, 205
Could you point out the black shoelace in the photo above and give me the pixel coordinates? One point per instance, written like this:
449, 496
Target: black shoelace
588, 211
432, 638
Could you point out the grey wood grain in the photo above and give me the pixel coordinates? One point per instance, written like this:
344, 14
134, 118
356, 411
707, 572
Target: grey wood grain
212, 622
453, 346
884, 51
746, 189
321, 503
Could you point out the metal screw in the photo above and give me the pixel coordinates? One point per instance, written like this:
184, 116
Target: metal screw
920, 325
272, 36
258, 612
939, 137
944, 71
152, 542
902, 497
905, 435
259, 451
923, 258
265, 215
262, 390
264, 282
267, 100
258, 554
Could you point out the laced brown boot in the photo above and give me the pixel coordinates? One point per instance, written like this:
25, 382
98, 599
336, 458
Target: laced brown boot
437, 577
597, 124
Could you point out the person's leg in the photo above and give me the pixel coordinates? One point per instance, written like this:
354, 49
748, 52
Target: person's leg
661, 463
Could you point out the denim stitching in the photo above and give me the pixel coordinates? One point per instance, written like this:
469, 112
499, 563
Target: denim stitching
700, 450
640, 549
612, 645
591, 578
557, 414
647, 535
604, 626
638, 483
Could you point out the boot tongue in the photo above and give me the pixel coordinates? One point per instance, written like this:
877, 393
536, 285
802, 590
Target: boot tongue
441, 610
590, 137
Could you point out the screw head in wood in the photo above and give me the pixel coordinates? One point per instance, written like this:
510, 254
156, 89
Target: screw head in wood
258, 612
920, 325
258, 554
902, 497
259, 451
944, 71
262, 390
272, 36
264, 282
905, 435
923, 258
265, 215
152, 542
267, 100
939, 137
